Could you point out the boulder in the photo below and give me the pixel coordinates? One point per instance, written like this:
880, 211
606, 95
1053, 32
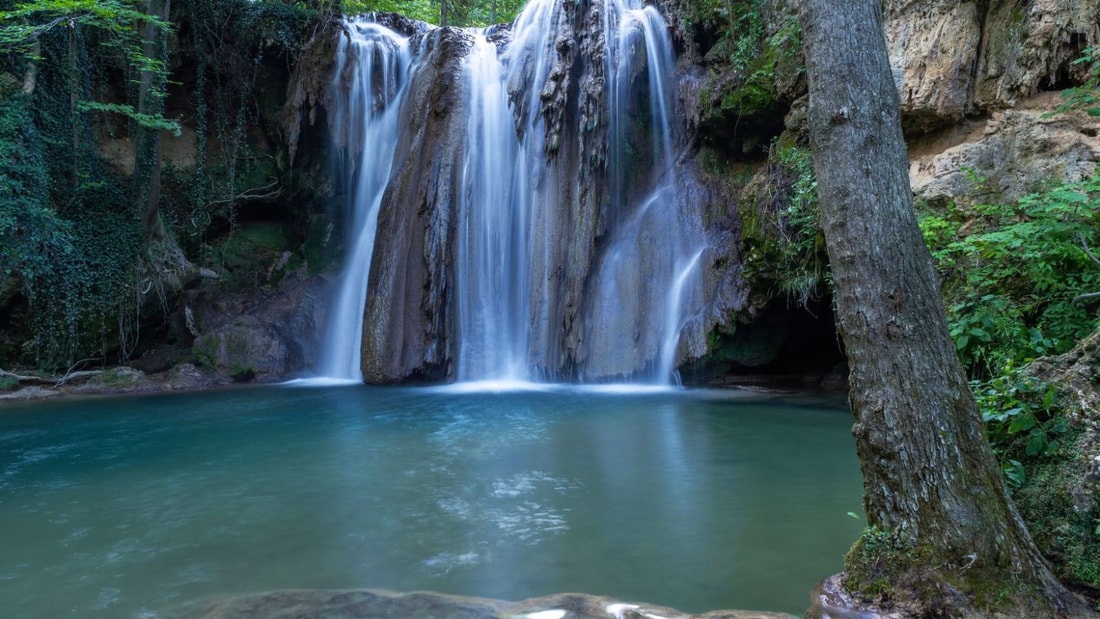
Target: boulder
270, 336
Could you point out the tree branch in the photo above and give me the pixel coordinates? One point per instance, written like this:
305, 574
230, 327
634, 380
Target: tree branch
1085, 246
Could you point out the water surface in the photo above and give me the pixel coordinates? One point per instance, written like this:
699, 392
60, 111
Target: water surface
692, 499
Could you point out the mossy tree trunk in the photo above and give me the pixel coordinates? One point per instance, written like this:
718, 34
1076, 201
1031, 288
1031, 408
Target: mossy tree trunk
945, 538
147, 140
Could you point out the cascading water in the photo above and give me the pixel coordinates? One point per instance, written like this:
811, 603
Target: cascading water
647, 274
545, 279
493, 246
373, 62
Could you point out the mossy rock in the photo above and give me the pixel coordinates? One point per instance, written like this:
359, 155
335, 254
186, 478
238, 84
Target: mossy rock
1060, 497
253, 255
1058, 501
748, 345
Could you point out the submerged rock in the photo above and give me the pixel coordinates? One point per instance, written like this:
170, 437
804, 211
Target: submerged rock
315, 604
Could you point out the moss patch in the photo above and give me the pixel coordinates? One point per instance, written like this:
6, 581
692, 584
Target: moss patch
253, 256
1060, 508
782, 245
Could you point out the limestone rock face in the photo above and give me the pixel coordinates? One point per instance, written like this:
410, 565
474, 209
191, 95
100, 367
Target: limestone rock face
1014, 152
951, 59
1029, 46
933, 49
405, 320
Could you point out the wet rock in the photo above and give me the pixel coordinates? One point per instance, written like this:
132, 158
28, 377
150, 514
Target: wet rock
116, 380
831, 601
269, 336
188, 377
405, 321
30, 393
310, 604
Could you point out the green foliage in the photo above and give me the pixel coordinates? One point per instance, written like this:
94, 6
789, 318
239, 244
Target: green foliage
1011, 273
423, 10
1085, 96
226, 42
735, 39
116, 27
75, 266
783, 247
72, 239
1022, 420
479, 13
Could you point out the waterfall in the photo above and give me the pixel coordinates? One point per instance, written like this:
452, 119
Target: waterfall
493, 320
647, 273
568, 250
372, 63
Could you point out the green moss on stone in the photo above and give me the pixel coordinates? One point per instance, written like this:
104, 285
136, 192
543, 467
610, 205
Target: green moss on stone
1060, 508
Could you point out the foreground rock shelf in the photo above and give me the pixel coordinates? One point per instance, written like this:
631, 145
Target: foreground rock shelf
347, 604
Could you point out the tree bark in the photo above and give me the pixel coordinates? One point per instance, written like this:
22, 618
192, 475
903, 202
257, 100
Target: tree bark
932, 486
147, 139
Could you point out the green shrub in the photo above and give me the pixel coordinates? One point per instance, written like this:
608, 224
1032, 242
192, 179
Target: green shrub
1012, 274
783, 247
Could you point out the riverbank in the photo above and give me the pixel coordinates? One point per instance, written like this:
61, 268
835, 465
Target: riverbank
189, 377
121, 380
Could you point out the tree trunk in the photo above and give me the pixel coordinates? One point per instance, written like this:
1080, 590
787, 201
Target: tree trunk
147, 139
30, 74
74, 98
944, 538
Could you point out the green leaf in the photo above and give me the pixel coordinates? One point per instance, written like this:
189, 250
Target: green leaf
1036, 445
1049, 397
1014, 473
1021, 422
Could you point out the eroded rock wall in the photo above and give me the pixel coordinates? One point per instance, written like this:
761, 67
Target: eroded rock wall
953, 59
406, 323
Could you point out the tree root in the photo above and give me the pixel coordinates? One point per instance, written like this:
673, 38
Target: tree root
72, 375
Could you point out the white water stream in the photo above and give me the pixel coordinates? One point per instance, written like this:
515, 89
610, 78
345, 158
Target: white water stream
372, 64
646, 281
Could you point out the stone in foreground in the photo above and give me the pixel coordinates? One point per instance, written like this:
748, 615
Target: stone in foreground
347, 604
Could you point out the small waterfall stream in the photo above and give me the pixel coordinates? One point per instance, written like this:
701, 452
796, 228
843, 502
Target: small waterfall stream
523, 230
372, 63
642, 283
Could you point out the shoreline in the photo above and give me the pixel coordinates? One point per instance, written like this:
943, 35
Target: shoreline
123, 380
